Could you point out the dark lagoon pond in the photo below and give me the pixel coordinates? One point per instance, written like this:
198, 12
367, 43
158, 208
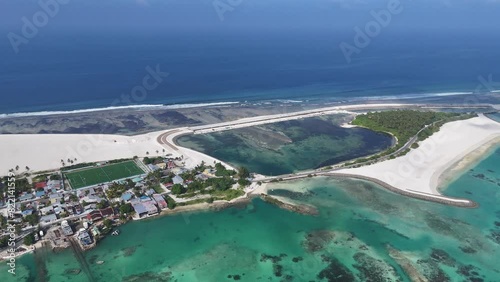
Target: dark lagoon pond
289, 146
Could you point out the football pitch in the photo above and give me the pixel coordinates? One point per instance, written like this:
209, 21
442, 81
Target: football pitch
97, 175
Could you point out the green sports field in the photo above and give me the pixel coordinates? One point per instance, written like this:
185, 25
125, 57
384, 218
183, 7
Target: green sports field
97, 175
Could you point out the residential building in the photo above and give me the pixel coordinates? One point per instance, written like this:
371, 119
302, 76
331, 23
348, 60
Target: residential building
40, 193
177, 180
84, 237
48, 218
55, 198
47, 210
162, 204
94, 215
107, 212
66, 228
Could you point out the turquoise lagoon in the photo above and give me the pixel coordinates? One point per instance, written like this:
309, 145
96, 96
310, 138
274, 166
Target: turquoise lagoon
348, 241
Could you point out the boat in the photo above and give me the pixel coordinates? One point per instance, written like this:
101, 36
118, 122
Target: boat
116, 232
100, 262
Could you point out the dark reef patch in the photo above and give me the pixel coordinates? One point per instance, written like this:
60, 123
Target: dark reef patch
150, 277
431, 270
443, 257
335, 271
297, 259
373, 270
317, 240
468, 249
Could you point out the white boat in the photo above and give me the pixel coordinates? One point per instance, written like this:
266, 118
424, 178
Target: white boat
100, 262
116, 232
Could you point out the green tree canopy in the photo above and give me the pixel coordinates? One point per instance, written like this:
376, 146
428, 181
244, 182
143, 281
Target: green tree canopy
29, 239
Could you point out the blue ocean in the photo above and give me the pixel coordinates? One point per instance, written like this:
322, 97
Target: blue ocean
71, 70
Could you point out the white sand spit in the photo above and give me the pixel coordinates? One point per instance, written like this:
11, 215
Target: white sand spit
420, 170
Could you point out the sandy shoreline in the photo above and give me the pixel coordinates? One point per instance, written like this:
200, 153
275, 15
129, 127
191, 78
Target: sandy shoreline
42, 152
447, 152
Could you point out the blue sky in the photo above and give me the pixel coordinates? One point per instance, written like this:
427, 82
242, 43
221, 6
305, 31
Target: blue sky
143, 15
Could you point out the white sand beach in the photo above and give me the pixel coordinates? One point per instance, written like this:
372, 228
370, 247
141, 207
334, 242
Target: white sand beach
421, 170
44, 152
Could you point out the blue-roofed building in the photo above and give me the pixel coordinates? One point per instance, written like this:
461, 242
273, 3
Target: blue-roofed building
26, 197
127, 196
153, 167
137, 179
27, 212
40, 193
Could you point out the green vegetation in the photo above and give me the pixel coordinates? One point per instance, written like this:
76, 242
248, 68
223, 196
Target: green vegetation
4, 241
126, 208
97, 175
148, 160
82, 165
227, 195
3, 221
170, 202
116, 190
404, 125
177, 189
157, 188
220, 170
32, 219
40, 178
108, 223
29, 239
55, 177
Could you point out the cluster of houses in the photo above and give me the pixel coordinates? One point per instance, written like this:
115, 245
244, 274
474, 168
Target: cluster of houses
177, 179
148, 205
46, 199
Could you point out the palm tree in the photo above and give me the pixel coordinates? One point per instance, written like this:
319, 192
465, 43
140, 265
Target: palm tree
27, 168
17, 167
147, 153
157, 151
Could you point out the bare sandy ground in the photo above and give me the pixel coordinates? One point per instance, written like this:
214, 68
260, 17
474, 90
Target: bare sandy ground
45, 152
422, 169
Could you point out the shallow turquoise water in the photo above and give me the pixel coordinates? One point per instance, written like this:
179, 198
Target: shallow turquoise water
349, 237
